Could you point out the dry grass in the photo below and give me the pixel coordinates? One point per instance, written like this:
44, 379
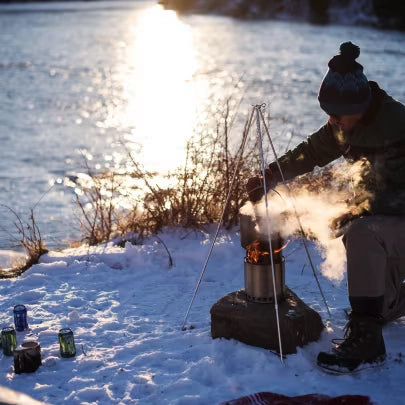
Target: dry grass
29, 237
196, 197
214, 171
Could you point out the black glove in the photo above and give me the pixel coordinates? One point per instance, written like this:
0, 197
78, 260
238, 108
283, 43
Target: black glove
254, 186
341, 221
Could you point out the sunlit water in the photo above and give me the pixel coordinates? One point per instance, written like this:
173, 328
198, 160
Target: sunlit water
83, 79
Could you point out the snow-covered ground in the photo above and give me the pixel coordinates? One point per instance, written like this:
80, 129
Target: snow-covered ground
126, 307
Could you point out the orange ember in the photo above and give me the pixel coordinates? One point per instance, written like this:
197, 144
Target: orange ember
256, 252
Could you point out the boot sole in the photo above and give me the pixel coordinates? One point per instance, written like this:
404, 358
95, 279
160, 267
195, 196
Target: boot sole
336, 370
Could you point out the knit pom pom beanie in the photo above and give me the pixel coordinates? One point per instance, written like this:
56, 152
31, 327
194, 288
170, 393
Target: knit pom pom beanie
344, 89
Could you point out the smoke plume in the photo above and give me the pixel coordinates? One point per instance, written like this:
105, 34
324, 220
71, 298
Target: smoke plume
314, 202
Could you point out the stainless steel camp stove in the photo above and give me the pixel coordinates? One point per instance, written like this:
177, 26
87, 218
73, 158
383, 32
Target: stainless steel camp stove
258, 273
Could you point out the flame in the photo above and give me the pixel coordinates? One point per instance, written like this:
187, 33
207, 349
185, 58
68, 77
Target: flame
259, 252
255, 252
275, 251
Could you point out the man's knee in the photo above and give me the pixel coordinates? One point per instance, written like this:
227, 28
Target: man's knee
360, 228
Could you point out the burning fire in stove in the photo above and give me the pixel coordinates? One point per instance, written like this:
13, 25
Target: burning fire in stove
258, 270
259, 285
258, 252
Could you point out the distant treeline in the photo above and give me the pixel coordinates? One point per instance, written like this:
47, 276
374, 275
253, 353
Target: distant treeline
389, 14
40, 1
378, 13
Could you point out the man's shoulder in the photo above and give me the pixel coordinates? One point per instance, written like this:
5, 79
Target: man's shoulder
393, 115
388, 103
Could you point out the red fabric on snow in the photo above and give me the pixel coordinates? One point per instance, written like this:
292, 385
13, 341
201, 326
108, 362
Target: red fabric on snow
269, 398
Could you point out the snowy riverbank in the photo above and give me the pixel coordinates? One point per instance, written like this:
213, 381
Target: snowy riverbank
126, 307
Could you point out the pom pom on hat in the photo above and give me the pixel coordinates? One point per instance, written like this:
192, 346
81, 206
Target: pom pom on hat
344, 89
349, 50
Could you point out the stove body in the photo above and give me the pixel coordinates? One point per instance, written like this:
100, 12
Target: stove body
259, 262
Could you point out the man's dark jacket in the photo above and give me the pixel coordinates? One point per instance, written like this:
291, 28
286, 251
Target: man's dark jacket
378, 141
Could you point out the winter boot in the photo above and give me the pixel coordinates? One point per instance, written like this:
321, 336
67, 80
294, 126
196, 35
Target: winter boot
363, 345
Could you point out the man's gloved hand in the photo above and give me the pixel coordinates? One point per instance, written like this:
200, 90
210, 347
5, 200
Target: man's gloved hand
254, 186
339, 225
341, 221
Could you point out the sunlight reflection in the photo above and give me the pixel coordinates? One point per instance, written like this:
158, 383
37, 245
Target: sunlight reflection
160, 91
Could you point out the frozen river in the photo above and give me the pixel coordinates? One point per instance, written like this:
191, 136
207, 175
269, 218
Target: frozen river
82, 79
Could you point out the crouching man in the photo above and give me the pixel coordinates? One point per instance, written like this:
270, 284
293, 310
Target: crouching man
366, 124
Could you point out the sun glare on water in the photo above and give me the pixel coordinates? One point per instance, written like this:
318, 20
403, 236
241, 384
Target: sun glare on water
159, 87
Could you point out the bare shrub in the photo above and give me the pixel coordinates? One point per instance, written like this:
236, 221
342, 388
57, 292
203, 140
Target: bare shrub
196, 196
96, 202
29, 237
201, 186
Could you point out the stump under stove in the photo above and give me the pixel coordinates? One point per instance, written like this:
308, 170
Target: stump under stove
236, 317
